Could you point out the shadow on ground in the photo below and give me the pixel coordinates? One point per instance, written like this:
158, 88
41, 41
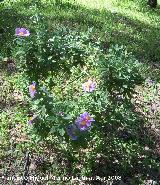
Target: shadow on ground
140, 38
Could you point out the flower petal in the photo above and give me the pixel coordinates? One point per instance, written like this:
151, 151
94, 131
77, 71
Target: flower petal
71, 131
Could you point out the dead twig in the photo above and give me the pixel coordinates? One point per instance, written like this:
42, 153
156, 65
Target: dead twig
26, 169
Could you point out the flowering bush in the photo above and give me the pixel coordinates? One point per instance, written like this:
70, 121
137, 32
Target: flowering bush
77, 98
71, 81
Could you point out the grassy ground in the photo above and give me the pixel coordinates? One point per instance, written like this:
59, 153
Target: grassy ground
129, 23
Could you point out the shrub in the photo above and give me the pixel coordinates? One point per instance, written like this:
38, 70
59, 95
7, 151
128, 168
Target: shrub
120, 72
64, 61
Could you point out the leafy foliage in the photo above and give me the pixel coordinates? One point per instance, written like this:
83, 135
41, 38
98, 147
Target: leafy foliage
48, 56
120, 72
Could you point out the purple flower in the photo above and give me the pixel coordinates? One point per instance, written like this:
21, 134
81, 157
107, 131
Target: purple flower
32, 89
84, 121
89, 86
31, 118
23, 32
71, 131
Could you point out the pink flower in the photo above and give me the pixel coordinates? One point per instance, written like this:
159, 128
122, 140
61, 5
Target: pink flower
32, 89
89, 86
23, 32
